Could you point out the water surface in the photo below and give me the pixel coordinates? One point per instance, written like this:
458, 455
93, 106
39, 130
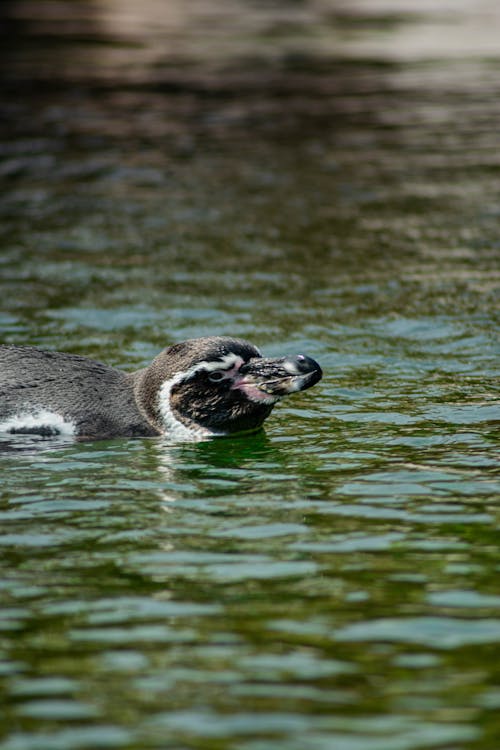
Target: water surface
318, 178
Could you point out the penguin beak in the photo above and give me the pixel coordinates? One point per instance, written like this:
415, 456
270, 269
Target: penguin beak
264, 379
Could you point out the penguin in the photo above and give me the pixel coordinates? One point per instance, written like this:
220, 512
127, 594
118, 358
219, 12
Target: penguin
203, 387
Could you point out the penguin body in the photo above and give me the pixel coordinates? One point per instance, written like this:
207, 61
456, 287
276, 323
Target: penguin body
194, 389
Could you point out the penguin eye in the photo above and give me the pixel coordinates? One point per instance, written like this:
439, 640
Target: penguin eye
215, 376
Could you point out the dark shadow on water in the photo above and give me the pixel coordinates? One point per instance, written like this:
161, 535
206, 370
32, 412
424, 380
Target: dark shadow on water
33, 444
62, 56
216, 452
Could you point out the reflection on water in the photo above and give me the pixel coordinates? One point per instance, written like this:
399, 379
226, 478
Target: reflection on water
317, 177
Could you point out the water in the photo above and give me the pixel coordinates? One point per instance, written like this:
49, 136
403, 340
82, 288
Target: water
315, 178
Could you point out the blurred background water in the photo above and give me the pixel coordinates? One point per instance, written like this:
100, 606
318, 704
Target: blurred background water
313, 175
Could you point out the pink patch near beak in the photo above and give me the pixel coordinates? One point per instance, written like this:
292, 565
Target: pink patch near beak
252, 392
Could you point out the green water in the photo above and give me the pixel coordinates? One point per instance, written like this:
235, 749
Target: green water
316, 179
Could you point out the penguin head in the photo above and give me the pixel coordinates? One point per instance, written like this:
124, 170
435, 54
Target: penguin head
218, 386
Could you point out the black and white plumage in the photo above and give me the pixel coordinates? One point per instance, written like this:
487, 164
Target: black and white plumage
201, 387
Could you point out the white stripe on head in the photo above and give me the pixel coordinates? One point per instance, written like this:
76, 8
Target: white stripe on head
170, 423
226, 362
